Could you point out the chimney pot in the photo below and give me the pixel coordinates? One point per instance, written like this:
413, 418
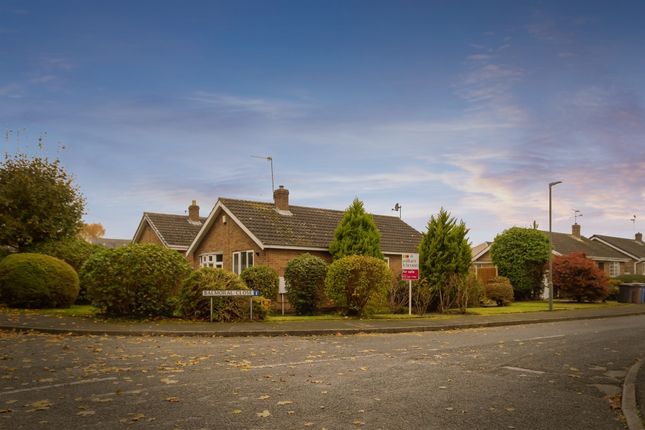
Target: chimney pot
575, 230
639, 237
281, 198
193, 212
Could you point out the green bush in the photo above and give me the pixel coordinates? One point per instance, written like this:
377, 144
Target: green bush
37, 281
135, 280
476, 291
305, 278
74, 251
499, 290
192, 304
262, 278
353, 281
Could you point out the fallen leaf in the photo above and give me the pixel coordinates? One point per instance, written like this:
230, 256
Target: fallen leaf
168, 381
358, 422
5, 411
236, 411
450, 409
264, 397
309, 424
86, 413
363, 369
284, 402
291, 412
40, 405
265, 413
172, 399
510, 409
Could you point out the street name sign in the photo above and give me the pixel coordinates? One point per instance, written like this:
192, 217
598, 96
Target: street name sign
230, 293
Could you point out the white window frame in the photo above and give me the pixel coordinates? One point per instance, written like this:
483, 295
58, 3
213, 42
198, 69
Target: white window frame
210, 260
236, 261
387, 260
614, 269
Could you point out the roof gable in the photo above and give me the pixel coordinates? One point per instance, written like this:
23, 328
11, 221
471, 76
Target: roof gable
305, 227
630, 247
567, 243
174, 231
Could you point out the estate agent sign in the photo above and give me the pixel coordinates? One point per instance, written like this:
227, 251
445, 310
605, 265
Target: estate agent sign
410, 267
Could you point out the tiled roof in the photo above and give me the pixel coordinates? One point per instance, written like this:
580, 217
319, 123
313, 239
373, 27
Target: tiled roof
175, 230
313, 227
630, 246
564, 243
475, 250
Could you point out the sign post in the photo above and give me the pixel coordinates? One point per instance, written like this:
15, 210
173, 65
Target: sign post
282, 289
231, 293
410, 266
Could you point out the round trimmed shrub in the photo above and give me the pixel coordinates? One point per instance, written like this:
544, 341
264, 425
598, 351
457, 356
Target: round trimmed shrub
134, 280
74, 251
192, 304
499, 290
37, 281
305, 278
262, 278
353, 281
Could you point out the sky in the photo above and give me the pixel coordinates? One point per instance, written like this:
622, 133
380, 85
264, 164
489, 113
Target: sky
471, 106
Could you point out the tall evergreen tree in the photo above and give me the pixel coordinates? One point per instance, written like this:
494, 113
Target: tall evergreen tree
444, 251
356, 234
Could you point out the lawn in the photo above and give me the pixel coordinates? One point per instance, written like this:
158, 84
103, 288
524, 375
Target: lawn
73, 311
538, 306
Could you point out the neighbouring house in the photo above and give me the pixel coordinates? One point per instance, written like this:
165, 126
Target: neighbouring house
612, 262
169, 230
608, 259
241, 233
108, 242
482, 263
634, 249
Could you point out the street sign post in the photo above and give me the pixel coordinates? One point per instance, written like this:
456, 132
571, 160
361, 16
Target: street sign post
282, 289
232, 293
410, 272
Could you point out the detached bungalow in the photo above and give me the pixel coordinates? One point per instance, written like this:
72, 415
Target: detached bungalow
633, 249
240, 233
172, 231
609, 260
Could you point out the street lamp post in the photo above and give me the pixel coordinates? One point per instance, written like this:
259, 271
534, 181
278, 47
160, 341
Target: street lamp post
551, 185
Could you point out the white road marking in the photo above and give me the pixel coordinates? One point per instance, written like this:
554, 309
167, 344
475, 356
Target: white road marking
519, 369
555, 336
67, 384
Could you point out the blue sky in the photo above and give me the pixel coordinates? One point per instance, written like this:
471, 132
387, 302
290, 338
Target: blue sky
473, 106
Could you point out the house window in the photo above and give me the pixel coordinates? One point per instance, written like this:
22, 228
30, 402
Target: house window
242, 260
614, 269
212, 260
387, 260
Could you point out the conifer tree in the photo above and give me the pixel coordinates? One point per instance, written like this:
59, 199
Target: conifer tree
444, 251
356, 234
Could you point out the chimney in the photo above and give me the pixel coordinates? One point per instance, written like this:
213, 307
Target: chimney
575, 230
193, 212
281, 198
639, 237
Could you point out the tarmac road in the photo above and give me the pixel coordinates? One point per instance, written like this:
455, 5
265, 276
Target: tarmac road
563, 375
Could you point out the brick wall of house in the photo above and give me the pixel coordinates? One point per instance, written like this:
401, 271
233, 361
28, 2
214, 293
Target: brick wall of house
226, 238
278, 258
149, 236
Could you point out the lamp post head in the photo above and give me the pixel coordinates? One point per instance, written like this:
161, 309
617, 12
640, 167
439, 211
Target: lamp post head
553, 184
